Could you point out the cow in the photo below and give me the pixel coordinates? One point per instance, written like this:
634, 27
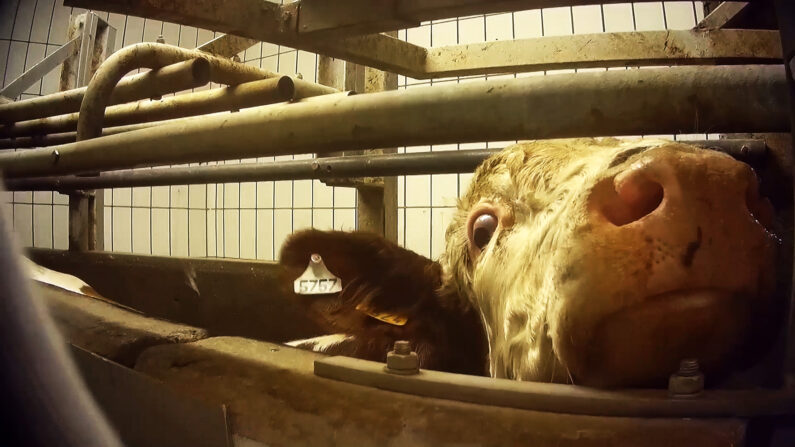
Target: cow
598, 262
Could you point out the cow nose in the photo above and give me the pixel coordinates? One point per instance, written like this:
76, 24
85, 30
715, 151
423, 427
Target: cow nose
636, 194
693, 178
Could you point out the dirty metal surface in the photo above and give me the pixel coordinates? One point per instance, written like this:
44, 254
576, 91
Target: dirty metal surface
146, 413
274, 398
230, 297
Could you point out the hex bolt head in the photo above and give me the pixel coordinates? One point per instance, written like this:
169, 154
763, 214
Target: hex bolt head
402, 360
688, 381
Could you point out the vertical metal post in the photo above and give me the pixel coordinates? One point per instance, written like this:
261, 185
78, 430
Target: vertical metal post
376, 207
98, 39
785, 13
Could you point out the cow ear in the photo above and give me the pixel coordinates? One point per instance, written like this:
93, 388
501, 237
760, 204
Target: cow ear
382, 283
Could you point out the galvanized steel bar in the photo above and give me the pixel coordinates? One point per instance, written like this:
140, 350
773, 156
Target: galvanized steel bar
637, 48
30, 77
227, 45
619, 102
304, 92
171, 78
446, 162
249, 94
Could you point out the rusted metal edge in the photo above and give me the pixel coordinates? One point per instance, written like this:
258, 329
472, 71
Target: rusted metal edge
558, 398
227, 45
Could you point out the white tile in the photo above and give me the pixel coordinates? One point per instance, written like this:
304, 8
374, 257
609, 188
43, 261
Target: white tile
345, 219
282, 227
323, 219
419, 36
418, 189
8, 11
441, 220
107, 229
445, 189
557, 21
23, 224
231, 231
41, 21
60, 226
418, 237
50, 82
133, 30
344, 197
122, 229
23, 20
283, 194
587, 19
527, 24
16, 61
248, 195
197, 227
141, 237
287, 63
42, 226
322, 194
179, 196
264, 247
121, 197
302, 194
160, 232
179, 232
141, 196
649, 16
445, 33
680, 15
160, 196
472, 30
60, 24
152, 29
42, 197
248, 234
302, 220
499, 27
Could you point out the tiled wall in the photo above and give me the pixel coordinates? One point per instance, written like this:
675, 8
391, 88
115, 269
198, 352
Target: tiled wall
250, 220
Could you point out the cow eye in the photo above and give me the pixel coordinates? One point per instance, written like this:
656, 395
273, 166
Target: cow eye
482, 229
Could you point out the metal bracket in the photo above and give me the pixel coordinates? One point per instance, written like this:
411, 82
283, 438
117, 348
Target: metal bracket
30, 77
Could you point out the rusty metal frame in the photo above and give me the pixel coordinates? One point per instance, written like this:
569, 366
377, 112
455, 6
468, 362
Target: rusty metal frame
283, 25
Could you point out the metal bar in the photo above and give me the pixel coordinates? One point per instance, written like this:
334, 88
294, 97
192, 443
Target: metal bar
423, 163
86, 53
785, 13
685, 47
557, 398
168, 79
269, 22
722, 15
304, 92
250, 94
28, 78
227, 45
616, 102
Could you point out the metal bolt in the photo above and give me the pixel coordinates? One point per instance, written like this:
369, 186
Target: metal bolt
315, 166
402, 360
745, 150
316, 259
299, 76
688, 381
55, 156
161, 39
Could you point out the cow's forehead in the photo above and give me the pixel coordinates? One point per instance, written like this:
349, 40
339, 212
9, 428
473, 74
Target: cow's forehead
535, 167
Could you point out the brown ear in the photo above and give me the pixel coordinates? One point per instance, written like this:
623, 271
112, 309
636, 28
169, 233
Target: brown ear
388, 293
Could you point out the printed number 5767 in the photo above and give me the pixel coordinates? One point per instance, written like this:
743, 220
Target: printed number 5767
316, 285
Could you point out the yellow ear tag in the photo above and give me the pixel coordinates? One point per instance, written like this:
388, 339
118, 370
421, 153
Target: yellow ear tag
317, 279
394, 320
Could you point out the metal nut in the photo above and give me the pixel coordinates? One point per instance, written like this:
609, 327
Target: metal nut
402, 360
688, 381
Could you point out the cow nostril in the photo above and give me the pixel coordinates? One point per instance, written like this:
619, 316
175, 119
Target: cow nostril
633, 198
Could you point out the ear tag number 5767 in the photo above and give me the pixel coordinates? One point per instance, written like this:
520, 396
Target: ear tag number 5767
317, 279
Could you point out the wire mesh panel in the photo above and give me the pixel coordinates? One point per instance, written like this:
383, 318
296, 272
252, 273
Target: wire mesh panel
252, 219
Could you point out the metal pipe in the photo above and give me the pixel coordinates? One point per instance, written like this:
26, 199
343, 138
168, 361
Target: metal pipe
157, 82
171, 78
68, 137
625, 102
149, 55
447, 162
249, 94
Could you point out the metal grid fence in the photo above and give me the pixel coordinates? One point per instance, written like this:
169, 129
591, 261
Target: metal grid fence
251, 220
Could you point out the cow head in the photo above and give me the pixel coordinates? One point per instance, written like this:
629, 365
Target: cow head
605, 263
592, 262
